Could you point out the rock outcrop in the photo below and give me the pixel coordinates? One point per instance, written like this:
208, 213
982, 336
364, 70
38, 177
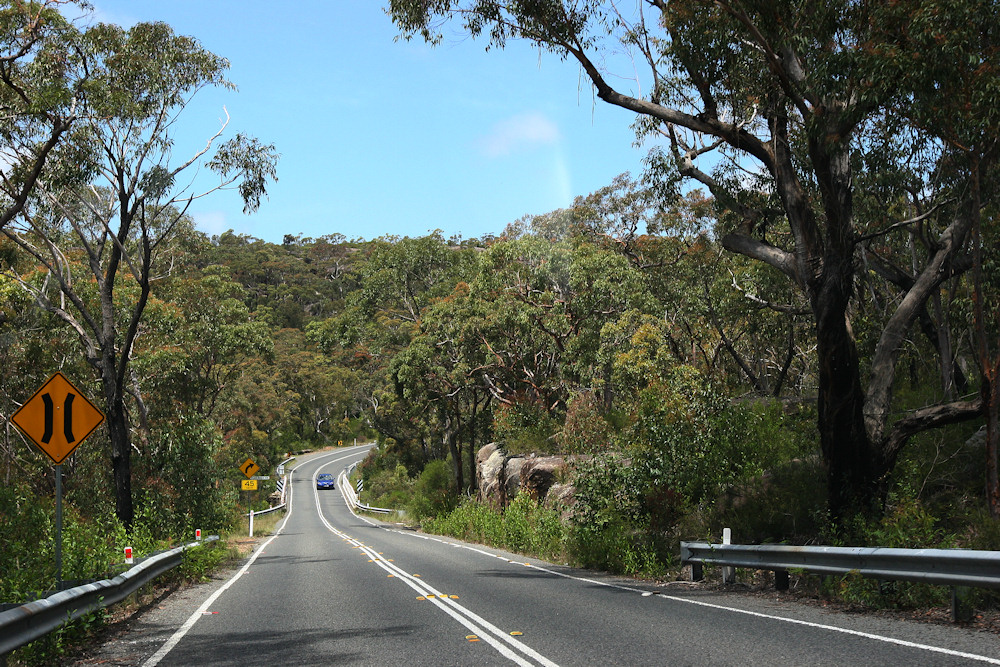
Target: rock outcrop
501, 477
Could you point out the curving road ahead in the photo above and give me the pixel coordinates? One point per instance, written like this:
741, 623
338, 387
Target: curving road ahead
335, 588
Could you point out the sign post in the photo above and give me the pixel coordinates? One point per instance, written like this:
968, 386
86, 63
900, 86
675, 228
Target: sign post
58, 527
57, 418
249, 469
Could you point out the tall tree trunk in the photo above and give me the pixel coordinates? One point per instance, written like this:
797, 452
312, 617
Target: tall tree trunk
121, 448
991, 403
472, 441
989, 361
451, 440
855, 479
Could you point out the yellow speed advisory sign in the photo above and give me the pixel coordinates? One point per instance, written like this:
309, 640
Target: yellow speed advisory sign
248, 484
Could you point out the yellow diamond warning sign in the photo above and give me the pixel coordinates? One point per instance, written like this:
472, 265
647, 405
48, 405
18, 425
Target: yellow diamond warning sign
57, 418
249, 468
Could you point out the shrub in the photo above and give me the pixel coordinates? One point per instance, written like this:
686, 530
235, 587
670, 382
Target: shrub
697, 442
618, 503
434, 492
585, 431
525, 427
524, 527
785, 504
906, 525
387, 487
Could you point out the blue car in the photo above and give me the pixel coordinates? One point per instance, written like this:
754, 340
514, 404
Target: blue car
326, 481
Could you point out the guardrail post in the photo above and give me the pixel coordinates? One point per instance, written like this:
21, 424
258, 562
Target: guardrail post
961, 610
728, 573
697, 572
781, 580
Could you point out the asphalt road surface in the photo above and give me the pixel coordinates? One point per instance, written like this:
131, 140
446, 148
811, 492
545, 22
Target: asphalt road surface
334, 588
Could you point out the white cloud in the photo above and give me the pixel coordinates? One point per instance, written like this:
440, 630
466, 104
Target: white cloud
212, 223
98, 15
521, 132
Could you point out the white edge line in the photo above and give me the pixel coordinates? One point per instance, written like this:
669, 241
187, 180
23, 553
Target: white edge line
452, 608
424, 589
821, 626
189, 623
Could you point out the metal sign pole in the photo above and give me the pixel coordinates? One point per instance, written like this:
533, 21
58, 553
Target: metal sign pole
58, 527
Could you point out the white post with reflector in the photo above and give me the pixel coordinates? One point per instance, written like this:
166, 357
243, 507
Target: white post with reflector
128, 556
728, 573
197, 534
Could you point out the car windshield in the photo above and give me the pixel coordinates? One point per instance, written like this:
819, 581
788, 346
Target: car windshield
325, 476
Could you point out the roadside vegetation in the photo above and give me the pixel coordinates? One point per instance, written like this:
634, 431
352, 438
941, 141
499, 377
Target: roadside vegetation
798, 341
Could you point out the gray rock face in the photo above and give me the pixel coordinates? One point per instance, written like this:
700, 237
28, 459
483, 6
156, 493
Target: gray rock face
489, 471
512, 483
501, 477
539, 474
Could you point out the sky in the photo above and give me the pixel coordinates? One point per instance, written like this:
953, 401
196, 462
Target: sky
380, 136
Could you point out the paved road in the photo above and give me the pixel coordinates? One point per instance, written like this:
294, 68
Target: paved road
334, 588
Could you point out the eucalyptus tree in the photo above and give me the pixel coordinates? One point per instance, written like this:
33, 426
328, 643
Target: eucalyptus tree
119, 196
42, 80
398, 279
791, 101
545, 303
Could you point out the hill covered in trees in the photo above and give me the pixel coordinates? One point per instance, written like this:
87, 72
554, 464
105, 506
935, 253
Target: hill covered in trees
804, 347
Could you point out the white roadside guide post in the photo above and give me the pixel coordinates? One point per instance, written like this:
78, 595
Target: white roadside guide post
251, 522
728, 573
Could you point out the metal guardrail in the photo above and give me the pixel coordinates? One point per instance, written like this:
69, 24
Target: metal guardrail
352, 498
949, 567
958, 568
269, 509
36, 619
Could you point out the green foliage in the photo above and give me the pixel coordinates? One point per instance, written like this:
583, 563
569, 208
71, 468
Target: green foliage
433, 493
620, 516
523, 527
907, 525
694, 440
620, 547
199, 562
786, 504
585, 430
392, 488
57, 646
525, 427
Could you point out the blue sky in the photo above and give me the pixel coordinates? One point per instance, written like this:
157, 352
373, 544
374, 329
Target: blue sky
382, 137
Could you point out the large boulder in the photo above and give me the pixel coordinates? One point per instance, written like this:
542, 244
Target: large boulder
490, 474
539, 474
512, 474
501, 477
